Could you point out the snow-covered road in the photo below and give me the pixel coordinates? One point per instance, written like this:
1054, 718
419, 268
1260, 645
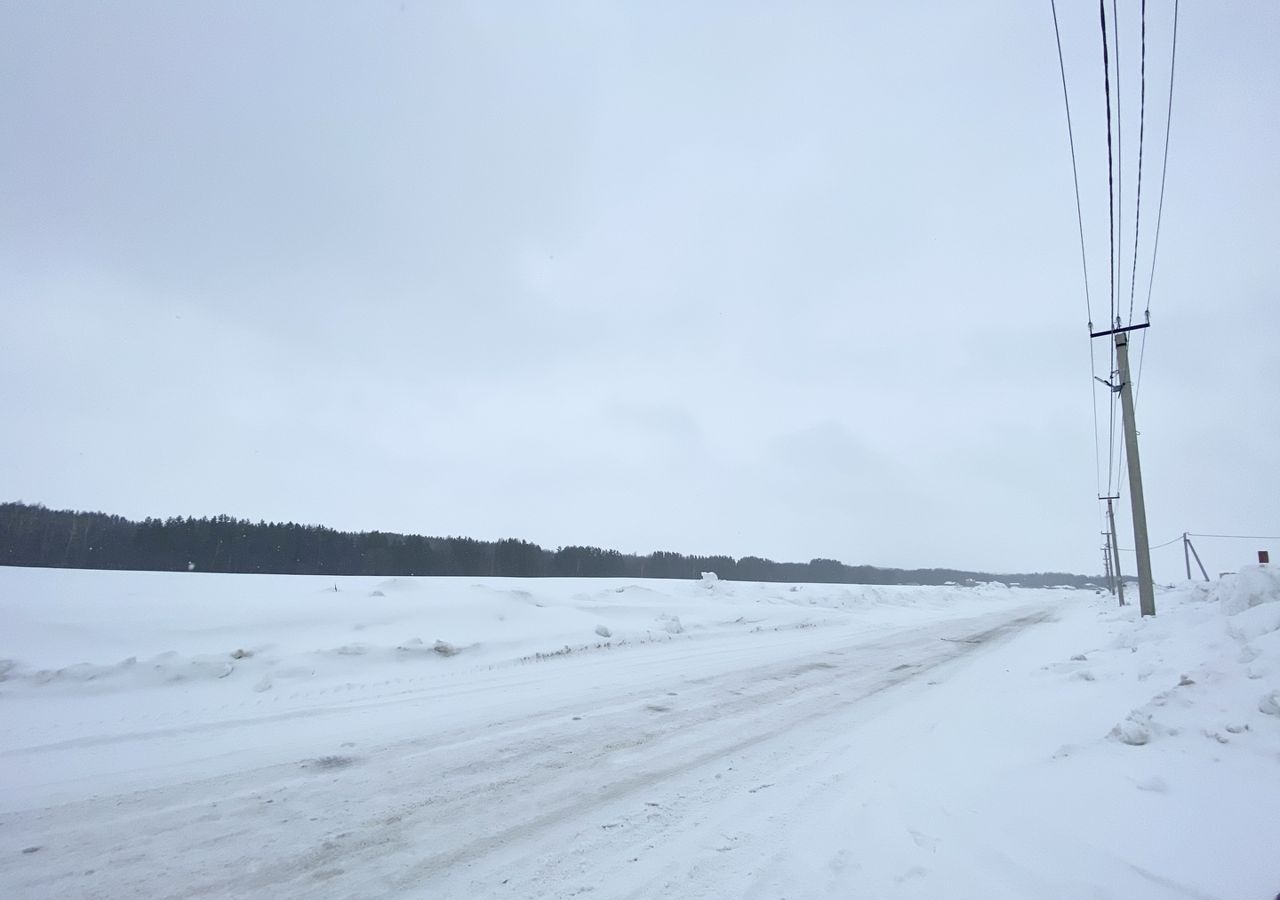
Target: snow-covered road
511, 782
774, 747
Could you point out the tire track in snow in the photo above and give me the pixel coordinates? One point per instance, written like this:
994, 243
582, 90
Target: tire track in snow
819, 702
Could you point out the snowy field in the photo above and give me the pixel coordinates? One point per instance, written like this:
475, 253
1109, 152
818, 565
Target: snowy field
185, 734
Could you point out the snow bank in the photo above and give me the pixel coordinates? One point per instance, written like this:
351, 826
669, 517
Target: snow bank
93, 632
1100, 755
1223, 639
1251, 586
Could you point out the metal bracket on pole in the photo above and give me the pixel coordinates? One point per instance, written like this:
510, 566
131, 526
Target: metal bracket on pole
1127, 328
1118, 329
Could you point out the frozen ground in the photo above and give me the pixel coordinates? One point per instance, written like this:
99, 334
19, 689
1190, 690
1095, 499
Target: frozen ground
181, 735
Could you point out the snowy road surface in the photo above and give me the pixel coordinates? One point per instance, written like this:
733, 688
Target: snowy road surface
892, 749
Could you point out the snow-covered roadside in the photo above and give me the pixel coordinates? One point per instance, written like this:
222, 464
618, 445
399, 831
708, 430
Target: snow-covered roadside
204, 674
103, 631
823, 741
1098, 756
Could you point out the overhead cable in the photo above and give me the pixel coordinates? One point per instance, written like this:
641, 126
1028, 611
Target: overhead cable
1119, 224
1142, 128
1154, 546
1164, 169
1075, 176
1084, 262
1111, 190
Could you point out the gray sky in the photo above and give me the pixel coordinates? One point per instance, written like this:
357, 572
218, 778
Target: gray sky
790, 280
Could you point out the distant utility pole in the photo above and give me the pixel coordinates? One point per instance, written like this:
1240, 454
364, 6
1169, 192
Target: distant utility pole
1106, 564
1115, 550
1146, 589
1187, 545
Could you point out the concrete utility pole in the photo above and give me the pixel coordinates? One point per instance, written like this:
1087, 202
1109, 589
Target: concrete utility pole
1146, 590
1106, 563
1115, 552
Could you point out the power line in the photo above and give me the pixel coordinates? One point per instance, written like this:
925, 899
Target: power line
1097, 446
1111, 223
1113, 448
1241, 537
1155, 546
1116, 448
1111, 190
1084, 262
1164, 169
1075, 177
1119, 252
1142, 128
1142, 356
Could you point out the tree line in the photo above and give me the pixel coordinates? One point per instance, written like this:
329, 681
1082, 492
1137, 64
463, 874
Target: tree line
33, 535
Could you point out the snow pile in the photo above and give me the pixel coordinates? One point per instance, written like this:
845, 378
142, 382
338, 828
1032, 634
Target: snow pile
1251, 586
1199, 744
1101, 755
1215, 653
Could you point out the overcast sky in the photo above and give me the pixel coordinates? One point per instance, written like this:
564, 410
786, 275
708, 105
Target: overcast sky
783, 279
